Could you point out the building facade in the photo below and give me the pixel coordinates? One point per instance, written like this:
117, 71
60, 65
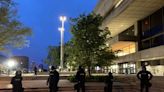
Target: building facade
137, 30
22, 62
2, 66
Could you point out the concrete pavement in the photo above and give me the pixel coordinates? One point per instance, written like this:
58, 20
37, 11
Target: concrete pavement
33, 84
127, 83
64, 86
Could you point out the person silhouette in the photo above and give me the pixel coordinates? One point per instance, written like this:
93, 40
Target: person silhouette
53, 80
144, 76
35, 70
80, 77
16, 82
109, 83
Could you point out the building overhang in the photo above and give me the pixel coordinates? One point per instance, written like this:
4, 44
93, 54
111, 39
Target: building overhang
121, 38
104, 6
155, 53
128, 13
152, 54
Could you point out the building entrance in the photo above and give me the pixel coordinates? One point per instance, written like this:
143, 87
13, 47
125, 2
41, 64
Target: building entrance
127, 68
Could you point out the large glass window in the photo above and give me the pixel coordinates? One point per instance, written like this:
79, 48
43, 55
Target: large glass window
131, 48
153, 62
146, 44
127, 68
150, 30
152, 25
128, 32
156, 19
159, 40
145, 24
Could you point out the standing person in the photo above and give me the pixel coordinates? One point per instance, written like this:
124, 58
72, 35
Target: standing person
126, 71
80, 77
144, 76
53, 79
35, 70
109, 83
16, 82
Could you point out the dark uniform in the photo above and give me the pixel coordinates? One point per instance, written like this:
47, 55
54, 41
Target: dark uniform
109, 83
35, 70
17, 82
80, 77
144, 76
53, 80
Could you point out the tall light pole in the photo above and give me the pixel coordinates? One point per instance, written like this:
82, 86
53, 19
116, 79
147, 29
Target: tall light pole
61, 29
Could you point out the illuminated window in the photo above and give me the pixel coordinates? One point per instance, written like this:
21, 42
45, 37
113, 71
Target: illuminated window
127, 50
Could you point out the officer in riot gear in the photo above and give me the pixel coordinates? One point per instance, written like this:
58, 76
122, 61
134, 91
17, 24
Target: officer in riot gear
80, 77
53, 79
109, 83
144, 76
16, 82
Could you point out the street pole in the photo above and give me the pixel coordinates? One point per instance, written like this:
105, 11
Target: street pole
61, 29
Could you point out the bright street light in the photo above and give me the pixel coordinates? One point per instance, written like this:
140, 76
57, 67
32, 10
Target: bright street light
61, 29
11, 63
63, 18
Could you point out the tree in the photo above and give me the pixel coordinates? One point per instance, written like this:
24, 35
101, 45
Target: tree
53, 57
90, 41
12, 32
71, 53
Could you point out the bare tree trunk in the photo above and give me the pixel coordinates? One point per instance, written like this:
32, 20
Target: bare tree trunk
89, 71
107, 69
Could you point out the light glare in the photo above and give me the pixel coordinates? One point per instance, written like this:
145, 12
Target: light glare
11, 63
63, 18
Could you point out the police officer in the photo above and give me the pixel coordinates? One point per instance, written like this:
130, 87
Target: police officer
16, 82
53, 79
80, 77
144, 76
109, 83
35, 70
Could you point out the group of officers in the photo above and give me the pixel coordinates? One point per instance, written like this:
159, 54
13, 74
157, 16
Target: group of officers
53, 79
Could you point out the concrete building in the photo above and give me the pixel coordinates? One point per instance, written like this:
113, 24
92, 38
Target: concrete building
2, 59
2, 66
22, 62
137, 29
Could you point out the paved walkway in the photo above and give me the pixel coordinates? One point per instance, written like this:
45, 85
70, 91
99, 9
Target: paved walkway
42, 84
31, 84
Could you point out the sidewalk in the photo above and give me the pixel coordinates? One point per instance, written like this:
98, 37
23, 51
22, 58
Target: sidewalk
42, 84
66, 86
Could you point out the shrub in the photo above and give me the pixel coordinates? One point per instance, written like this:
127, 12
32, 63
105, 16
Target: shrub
89, 79
122, 79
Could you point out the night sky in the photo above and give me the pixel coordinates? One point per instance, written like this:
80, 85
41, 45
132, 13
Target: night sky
42, 16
